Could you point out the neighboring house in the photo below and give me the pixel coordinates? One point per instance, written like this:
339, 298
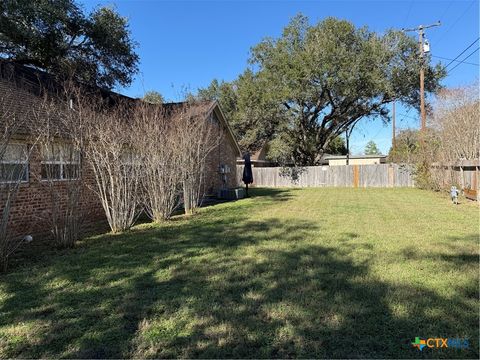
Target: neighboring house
335, 160
259, 159
20, 92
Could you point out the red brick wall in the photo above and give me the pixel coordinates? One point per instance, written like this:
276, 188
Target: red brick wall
224, 154
33, 203
29, 213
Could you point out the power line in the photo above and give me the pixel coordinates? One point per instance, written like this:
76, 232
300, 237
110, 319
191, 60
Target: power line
468, 47
406, 114
446, 9
454, 23
473, 52
408, 13
410, 117
458, 61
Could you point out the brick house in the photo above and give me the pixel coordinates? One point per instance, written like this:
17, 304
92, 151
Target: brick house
221, 162
19, 94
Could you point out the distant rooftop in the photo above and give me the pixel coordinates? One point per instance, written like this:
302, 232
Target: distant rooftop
333, 157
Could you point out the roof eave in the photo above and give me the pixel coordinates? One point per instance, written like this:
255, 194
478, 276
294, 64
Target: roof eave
216, 105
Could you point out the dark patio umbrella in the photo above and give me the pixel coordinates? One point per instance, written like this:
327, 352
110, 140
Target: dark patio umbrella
247, 171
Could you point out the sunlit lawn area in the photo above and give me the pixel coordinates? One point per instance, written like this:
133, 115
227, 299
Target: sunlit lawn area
285, 273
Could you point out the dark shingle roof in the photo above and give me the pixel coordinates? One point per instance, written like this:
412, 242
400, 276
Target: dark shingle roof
26, 85
37, 81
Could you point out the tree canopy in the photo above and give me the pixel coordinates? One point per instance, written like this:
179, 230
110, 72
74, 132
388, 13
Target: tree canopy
406, 147
371, 148
153, 97
56, 36
308, 86
252, 113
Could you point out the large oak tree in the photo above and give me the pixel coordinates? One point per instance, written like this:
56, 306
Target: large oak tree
314, 82
328, 76
56, 36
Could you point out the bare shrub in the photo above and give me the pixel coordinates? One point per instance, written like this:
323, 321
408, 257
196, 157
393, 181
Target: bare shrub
65, 214
452, 135
160, 161
110, 140
60, 144
456, 120
176, 140
14, 158
195, 137
456, 129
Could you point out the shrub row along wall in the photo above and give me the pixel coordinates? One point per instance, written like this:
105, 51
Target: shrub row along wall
32, 208
378, 175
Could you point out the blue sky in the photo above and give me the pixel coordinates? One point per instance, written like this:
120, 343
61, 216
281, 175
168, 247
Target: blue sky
183, 45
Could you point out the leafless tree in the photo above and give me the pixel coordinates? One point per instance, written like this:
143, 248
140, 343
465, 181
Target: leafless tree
110, 139
456, 128
195, 138
160, 160
456, 120
14, 158
60, 144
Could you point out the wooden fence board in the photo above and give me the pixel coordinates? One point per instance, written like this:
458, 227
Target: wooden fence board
375, 175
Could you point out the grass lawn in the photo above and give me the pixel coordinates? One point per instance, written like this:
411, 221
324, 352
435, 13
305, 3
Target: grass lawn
286, 273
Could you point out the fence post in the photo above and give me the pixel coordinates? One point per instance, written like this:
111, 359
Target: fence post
391, 176
462, 177
475, 183
356, 176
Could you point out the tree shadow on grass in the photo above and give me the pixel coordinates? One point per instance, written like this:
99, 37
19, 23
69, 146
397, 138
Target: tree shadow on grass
467, 239
311, 301
274, 194
43, 248
459, 253
90, 301
222, 286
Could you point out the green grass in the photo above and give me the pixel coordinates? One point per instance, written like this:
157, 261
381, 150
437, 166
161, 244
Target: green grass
285, 273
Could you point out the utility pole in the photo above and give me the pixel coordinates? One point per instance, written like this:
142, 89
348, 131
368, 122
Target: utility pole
348, 132
393, 125
422, 80
347, 136
421, 30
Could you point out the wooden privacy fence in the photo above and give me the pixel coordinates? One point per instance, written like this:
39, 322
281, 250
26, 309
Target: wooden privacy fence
464, 174
377, 175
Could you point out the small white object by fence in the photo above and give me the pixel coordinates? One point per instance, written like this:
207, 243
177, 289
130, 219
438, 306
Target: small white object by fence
375, 175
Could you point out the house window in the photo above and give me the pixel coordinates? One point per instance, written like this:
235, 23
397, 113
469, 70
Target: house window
60, 162
14, 163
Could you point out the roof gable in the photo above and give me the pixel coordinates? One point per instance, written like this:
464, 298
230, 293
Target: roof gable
203, 109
